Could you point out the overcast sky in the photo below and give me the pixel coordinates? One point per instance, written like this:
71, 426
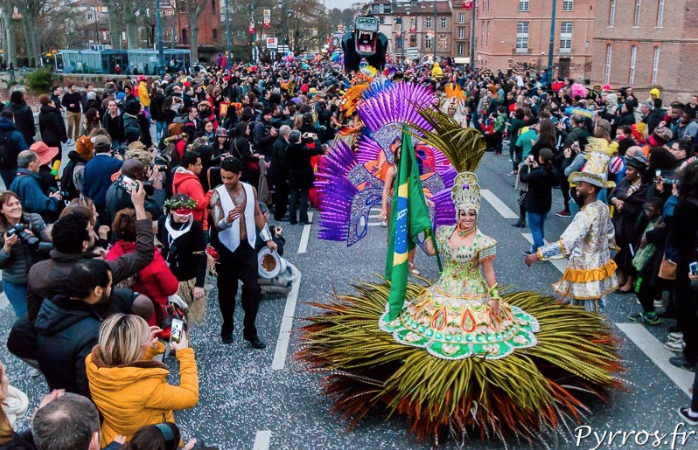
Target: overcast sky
341, 4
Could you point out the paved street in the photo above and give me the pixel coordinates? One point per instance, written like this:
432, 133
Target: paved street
252, 399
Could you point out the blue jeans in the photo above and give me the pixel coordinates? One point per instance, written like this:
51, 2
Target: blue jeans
536, 222
17, 295
161, 129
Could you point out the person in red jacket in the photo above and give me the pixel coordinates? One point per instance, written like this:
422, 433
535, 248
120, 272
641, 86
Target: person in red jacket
186, 181
156, 280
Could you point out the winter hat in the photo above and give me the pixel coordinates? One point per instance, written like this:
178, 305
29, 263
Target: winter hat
661, 136
84, 147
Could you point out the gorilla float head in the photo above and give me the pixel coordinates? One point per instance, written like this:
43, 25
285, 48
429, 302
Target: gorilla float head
366, 35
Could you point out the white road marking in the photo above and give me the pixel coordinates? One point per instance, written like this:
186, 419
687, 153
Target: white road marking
655, 351
286, 324
261, 440
560, 264
497, 204
303, 246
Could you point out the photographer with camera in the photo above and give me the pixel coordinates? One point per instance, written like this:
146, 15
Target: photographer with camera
119, 193
24, 241
27, 186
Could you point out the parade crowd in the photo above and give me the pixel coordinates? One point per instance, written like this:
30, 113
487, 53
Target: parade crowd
94, 298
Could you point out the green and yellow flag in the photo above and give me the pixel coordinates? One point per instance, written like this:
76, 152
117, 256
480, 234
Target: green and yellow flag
409, 216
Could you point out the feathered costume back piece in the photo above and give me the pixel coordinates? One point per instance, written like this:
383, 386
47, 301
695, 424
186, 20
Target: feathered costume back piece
350, 183
535, 394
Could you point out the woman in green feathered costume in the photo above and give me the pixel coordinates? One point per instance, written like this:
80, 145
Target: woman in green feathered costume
461, 358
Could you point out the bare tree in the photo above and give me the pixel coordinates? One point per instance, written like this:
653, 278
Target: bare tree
193, 10
10, 44
31, 11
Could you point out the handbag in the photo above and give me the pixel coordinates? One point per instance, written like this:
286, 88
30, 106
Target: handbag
667, 269
252, 165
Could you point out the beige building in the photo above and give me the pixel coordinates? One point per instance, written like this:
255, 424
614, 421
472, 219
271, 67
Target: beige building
516, 34
417, 27
646, 44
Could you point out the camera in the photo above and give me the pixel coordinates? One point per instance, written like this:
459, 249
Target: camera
21, 230
127, 183
64, 194
161, 167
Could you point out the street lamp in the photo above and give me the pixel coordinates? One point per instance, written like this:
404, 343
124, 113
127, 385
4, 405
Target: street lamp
229, 55
434, 41
161, 51
551, 45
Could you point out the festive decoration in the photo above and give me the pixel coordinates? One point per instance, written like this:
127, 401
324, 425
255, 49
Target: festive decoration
365, 41
532, 394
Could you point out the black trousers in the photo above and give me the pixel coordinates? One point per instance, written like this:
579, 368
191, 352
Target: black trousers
281, 200
240, 265
296, 194
686, 319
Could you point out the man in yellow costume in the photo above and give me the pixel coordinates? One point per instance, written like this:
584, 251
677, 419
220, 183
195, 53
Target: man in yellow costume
588, 240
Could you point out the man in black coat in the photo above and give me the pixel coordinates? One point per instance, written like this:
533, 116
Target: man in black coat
279, 172
68, 326
300, 172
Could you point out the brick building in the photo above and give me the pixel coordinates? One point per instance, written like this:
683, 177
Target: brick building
211, 30
646, 44
516, 34
407, 24
461, 20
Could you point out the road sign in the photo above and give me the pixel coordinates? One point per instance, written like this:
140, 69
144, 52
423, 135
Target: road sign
412, 53
272, 42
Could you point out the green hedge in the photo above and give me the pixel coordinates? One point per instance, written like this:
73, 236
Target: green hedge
40, 80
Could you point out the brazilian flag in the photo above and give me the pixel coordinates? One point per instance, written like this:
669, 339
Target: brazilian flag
408, 218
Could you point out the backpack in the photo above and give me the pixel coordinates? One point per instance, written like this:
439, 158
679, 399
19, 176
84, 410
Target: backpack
6, 160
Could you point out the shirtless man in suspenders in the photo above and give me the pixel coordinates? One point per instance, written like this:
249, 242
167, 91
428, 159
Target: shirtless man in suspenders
237, 218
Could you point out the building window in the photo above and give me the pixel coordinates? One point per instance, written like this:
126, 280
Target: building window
461, 17
633, 59
377, 9
636, 20
443, 23
427, 42
482, 33
381, 19
566, 37
460, 49
213, 6
388, 9
488, 34
215, 34
184, 36
523, 5
609, 55
89, 17
522, 37
568, 5
655, 65
660, 14
612, 13
443, 42
427, 22
461, 33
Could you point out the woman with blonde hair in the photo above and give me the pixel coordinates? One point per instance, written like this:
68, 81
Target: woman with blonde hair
14, 406
128, 387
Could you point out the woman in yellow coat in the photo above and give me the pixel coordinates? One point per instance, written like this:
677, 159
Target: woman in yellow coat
128, 387
143, 94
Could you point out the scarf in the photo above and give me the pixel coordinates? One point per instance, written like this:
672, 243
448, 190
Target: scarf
174, 233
